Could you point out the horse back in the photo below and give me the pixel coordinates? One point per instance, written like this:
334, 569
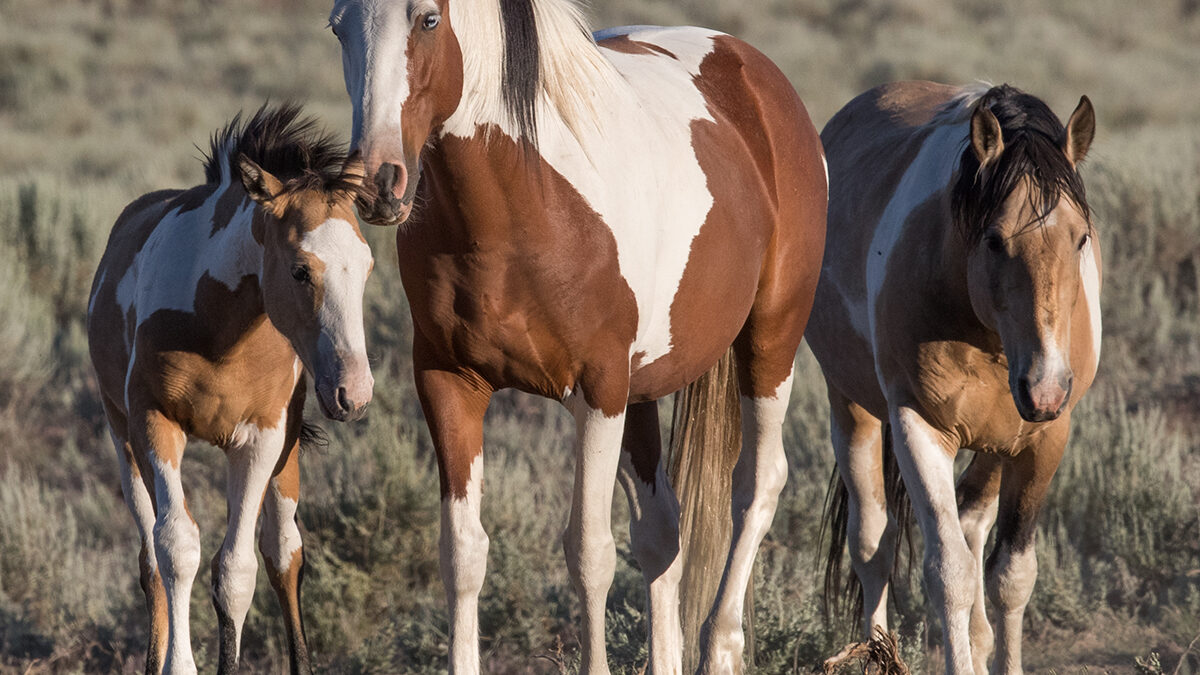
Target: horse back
891, 153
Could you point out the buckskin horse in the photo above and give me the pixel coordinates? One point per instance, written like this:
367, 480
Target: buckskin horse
208, 306
601, 217
958, 307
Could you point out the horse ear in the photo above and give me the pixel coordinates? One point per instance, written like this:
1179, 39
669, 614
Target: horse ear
1081, 129
259, 183
353, 170
987, 140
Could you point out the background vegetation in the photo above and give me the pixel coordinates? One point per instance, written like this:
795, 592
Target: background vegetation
101, 100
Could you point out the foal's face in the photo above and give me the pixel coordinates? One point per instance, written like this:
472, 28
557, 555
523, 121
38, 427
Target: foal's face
315, 268
404, 73
1024, 281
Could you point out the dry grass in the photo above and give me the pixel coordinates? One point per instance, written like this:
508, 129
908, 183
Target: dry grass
103, 100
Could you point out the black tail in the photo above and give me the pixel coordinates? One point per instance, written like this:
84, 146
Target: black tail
841, 594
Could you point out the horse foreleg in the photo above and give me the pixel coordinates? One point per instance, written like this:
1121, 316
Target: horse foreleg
1012, 567
926, 459
978, 488
653, 533
235, 565
176, 536
588, 542
454, 409
758, 478
870, 529
283, 551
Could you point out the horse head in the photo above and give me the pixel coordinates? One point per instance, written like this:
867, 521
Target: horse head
404, 73
314, 270
1029, 235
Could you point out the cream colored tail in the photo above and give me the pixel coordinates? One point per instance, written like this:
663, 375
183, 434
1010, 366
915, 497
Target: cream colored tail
706, 439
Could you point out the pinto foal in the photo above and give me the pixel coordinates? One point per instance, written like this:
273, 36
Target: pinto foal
207, 308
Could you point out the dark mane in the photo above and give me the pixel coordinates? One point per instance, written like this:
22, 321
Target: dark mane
520, 78
1033, 138
292, 147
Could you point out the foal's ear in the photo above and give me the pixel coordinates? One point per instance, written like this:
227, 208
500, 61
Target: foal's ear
1081, 129
987, 140
259, 183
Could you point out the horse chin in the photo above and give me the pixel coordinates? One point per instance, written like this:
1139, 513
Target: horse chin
329, 411
385, 212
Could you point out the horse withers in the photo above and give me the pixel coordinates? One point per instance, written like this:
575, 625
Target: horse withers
600, 218
958, 307
209, 306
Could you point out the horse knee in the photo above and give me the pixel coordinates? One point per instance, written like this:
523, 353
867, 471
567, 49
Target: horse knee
1011, 577
233, 577
177, 548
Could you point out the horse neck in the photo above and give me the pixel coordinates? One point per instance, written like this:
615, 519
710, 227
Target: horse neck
233, 253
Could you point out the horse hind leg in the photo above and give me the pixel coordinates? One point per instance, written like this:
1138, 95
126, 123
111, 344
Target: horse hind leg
871, 530
283, 552
653, 533
235, 566
978, 489
141, 506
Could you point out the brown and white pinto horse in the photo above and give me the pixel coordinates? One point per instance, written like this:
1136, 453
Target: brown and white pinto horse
959, 307
602, 218
207, 308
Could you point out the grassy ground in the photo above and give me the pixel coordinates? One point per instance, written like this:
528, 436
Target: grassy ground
103, 100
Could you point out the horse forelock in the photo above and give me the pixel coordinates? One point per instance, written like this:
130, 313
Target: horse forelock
1033, 152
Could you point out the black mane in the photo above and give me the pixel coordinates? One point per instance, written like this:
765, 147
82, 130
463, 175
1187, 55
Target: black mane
292, 147
520, 79
1033, 148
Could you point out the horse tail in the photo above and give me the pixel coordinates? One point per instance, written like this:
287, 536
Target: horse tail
705, 444
838, 594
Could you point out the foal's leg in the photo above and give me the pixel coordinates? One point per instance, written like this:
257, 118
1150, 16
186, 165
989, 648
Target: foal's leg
176, 538
977, 490
653, 533
1012, 567
235, 565
454, 408
758, 477
283, 551
926, 459
141, 506
588, 542
870, 528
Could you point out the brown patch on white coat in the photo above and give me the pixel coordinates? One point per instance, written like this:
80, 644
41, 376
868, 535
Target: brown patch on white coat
205, 306
968, 327
662, 206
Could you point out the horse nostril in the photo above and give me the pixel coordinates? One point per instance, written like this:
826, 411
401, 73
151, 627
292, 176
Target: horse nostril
343, 400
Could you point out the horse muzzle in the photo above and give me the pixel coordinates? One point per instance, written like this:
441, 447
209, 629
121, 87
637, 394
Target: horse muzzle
1042, 399
393, 199
345, 398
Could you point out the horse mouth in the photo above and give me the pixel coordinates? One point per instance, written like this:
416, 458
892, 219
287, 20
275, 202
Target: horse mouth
385, 211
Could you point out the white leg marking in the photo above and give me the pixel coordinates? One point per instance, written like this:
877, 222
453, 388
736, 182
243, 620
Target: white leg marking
177, 545
250, 466
654, 538
1010, 585
463, 549
758, 477
977, 524
927, 466
588, 542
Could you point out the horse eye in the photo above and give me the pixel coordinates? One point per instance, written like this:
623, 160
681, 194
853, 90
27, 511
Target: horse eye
300, 273
431, 21
1083, 241
995, 243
